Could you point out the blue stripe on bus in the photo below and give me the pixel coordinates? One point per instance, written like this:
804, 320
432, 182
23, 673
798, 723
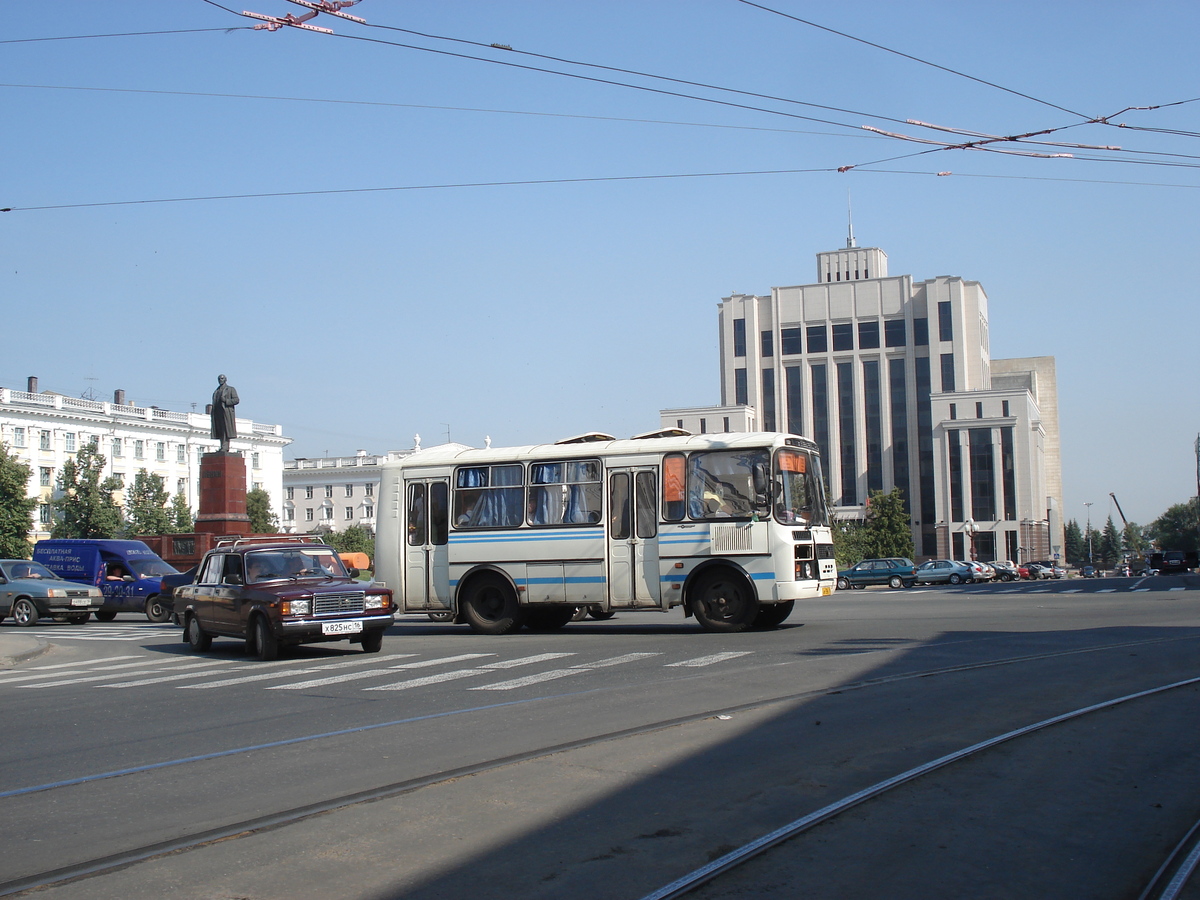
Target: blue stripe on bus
524, 538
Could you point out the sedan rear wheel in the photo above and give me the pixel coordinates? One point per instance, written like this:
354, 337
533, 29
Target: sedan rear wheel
955, 578
196, 638
895, 582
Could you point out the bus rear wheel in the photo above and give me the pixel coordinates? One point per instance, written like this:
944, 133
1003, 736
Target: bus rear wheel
491, 607
722, 602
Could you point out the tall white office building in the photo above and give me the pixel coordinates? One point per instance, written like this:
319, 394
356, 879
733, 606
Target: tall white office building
894, 380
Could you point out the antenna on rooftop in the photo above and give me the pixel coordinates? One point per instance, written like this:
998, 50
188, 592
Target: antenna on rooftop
850, 245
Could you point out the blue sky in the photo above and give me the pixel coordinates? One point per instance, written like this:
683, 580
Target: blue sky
532, 312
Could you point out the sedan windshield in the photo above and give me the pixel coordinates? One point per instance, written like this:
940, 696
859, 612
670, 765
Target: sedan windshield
29, 570
314, 562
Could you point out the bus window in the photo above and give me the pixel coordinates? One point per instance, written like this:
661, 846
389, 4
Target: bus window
721, 483
565, 493
416, 515
618, 506
488, 496
439, 513
647, 516
799, 500
673, 487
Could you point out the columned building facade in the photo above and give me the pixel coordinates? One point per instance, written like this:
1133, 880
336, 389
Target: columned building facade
893, 379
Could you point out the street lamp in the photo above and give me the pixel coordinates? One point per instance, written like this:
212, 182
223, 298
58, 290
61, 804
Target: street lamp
971, 528
1089, 531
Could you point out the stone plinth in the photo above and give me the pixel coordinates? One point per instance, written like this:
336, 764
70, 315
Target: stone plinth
222, 494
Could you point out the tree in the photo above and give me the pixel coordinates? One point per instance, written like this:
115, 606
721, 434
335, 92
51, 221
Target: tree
886, 531
1110, 545
1074, 544
182, 520
146, 506
355, 539
85, 507
16, 509
258, 508
1176, 528
1134, 538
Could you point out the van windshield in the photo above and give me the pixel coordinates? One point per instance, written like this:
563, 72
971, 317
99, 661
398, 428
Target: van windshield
150, 568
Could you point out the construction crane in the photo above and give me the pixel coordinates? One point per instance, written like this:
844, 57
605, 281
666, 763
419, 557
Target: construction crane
1124, 521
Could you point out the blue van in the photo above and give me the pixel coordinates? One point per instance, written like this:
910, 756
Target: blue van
128, 573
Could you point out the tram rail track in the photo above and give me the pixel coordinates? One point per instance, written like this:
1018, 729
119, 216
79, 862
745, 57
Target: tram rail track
246, 827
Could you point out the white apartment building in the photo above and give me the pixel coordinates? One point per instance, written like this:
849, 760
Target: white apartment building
333, 493
893, 379
44, 429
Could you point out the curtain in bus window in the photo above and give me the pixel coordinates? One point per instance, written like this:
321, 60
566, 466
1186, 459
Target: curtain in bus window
673, 487
488, 497
564, 493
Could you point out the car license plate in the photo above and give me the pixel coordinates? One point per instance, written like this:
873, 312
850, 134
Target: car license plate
341, 627
80, 601
826, 591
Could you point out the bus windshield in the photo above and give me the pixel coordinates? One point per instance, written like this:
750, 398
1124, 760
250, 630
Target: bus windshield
800, 500
721, 483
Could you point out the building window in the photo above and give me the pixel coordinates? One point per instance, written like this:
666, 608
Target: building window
790, 341
254, 461
983, 479
956, 476
308, 492
371, 487
868, 335
679, 424
953, 410
257, 486
897, 388
349, 490
794, 386
843, 337
180, 485
329, 490
767, 343
768, 399
139, 449
45, 476
327, 512
349, 512
291, 493
740, 395
69, 442
894, 333
921, 333
180, 454
979, 410
945, 323
289, 514
19, 437
847, 445
369, 512
1008, 474
704, 426
308, 515
947, 373
726, 419
819, 379
1004, 408
818, 338
116, 447
46, 514
160, 451
739, 337
873, 421
44, 441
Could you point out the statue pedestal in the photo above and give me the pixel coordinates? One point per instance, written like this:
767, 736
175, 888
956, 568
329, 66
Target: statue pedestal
222, 494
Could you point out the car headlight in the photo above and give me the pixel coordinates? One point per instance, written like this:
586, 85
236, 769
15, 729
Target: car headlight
295, 607
55, 592
95, 592
375, 601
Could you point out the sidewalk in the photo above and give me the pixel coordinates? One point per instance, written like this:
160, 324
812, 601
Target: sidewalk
16, 648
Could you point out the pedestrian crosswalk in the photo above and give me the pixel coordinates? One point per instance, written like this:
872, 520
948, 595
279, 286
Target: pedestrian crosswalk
359, 671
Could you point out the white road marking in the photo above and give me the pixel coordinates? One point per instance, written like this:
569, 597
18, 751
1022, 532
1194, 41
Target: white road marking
428, 679
178, 677
615, 660
525, 660
552, 674
701, 661
192, 668
426, 663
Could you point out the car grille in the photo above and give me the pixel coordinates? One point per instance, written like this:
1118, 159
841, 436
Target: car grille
335, 604
78, 593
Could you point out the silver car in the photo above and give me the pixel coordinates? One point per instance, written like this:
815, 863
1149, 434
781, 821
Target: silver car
944, 571
29, 591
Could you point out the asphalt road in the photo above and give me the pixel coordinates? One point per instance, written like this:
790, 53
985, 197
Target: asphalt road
610, 758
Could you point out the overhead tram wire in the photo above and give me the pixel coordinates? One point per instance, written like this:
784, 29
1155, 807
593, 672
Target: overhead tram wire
82, 37
916, 59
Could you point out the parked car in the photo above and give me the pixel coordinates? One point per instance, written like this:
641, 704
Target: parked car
1024, 571
1173, 562
1089, 572
168, 584
896, 572
1005, 570
29, 591
1046, 569
280, 593
944, 571
983, 571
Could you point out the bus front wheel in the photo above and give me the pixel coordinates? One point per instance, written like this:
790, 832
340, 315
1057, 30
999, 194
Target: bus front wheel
491, 607
722, 603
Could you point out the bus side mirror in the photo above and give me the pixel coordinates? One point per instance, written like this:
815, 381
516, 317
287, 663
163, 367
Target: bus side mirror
762, 481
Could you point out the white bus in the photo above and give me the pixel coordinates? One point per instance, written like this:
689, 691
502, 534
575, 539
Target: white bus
732, 527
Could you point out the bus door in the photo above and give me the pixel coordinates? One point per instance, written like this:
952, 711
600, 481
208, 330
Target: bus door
633, 537
426, 556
